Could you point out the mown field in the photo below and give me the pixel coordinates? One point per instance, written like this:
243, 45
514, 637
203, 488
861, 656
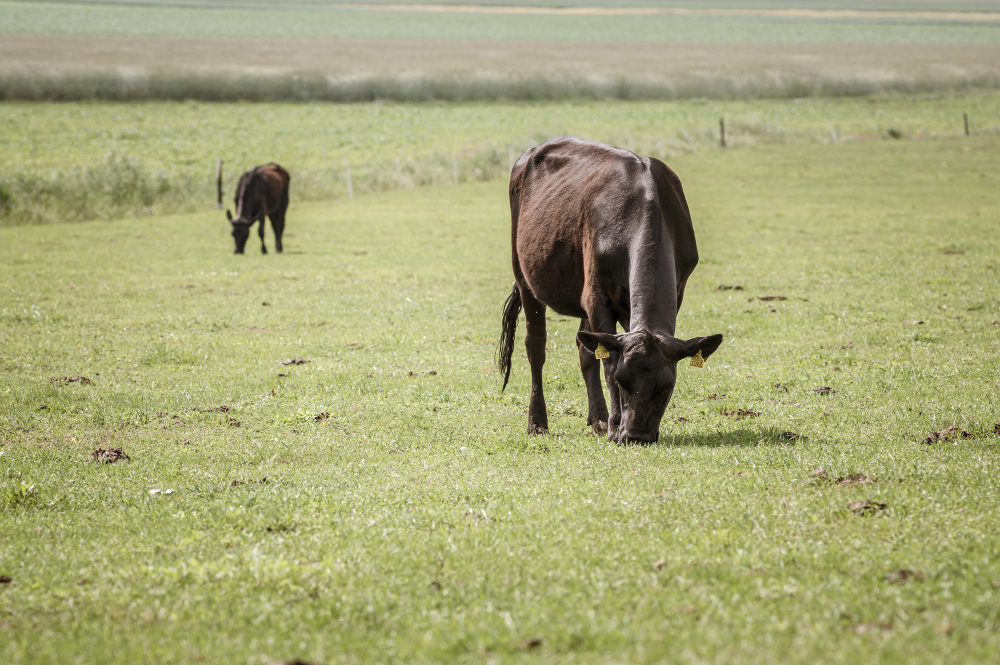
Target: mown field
382, 502
68, 162
355, 21
225, 51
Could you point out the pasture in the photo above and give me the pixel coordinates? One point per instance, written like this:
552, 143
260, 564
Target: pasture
129, 159
382, 501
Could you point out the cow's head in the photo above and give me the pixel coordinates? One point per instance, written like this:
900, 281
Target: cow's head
645, 371
241, 231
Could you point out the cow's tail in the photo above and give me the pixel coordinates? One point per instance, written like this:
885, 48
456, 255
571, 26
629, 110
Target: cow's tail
218, 181
505, 347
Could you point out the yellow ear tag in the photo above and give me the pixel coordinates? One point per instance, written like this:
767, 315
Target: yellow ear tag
601, 353
697, 360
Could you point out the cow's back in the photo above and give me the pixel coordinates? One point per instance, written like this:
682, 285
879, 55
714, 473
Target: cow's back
577, 208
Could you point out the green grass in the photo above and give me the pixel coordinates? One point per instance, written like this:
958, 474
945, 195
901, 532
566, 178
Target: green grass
326, 22
420, 523
128, 159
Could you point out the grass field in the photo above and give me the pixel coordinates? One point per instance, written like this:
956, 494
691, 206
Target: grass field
127, 159
225, 51
358, 508
212, 20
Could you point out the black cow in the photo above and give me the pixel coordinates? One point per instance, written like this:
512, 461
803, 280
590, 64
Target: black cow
602, 234
261, 192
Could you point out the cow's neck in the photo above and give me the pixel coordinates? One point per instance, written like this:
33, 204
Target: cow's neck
652, 282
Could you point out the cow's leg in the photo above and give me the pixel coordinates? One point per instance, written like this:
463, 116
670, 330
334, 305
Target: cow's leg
534, 343
603, 319
278, 222
597, 410
260, 232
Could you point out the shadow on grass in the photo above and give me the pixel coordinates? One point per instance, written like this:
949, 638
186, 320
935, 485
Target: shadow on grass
760, 436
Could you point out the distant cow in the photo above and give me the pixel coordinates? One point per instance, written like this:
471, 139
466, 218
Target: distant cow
261, 192
604, 235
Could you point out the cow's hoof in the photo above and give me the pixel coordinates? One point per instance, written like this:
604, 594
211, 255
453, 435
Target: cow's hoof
600, 427
537, 429
263, 250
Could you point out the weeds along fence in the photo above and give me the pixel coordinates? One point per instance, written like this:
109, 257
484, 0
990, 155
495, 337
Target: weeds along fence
120, 185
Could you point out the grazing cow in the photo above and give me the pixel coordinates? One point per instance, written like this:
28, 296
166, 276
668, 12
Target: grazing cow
261, 192
602, 234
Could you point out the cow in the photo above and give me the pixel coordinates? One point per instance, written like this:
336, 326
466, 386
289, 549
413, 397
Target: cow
604, 235
261, 192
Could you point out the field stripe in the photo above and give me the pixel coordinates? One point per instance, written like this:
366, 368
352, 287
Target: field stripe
681, 11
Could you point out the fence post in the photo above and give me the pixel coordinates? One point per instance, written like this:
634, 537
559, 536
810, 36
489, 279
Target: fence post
965, 117
454, 169
399, 174
350, 187
722, 133
218, 180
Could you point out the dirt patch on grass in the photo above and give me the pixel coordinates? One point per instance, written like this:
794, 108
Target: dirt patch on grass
790, 436
213, 409
727, 287
823, 390
294, 361
320, 417
770, 298
854, 479
903, 575
866, 507
429, 372
69, 379
529, 643
949, 434
738, 414
110, 455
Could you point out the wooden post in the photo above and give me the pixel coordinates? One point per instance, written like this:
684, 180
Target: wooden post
722, 133
350, 187
965, 117
218, 180
454, 169
399, 174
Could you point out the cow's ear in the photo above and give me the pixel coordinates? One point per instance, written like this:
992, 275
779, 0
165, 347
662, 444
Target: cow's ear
229, 215
707, 346
591, 340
